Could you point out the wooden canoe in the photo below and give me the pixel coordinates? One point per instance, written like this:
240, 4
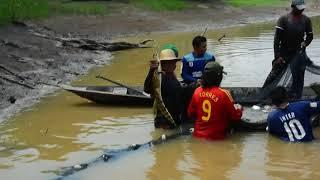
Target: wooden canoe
115, 95
118, 95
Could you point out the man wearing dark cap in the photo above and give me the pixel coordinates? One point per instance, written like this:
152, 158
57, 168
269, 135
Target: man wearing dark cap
293, 34
213, 107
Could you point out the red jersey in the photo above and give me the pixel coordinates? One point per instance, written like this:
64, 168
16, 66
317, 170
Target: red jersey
213, 110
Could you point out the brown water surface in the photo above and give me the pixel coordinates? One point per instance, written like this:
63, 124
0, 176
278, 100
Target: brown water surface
64, 129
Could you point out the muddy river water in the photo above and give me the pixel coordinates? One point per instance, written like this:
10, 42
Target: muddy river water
64, 129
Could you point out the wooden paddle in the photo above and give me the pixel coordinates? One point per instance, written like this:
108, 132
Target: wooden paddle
205, 30
119, 84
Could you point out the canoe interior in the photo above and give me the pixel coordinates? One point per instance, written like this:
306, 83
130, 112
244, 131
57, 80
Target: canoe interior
116, 90
114, 95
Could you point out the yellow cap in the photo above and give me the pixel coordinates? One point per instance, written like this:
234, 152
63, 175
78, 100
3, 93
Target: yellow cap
168, 55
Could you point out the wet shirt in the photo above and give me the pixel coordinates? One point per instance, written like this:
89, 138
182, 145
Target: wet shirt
213, 111
290, 33
193, 66
171, 92
293, 123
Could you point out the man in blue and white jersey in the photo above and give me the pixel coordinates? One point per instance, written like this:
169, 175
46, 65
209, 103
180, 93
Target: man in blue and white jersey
194, 62
291, 121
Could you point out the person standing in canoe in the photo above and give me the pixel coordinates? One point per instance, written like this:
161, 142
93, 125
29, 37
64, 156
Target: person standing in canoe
194, 62
212, 107
291, 121
293, 34
167, 95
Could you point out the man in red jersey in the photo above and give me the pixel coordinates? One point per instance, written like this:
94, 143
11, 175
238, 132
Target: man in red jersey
211, 106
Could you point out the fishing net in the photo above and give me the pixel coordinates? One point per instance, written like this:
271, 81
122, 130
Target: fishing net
283, 76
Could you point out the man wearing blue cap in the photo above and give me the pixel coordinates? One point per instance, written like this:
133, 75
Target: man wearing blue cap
293, 34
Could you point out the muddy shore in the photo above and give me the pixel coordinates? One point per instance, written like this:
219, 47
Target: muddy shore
29, 63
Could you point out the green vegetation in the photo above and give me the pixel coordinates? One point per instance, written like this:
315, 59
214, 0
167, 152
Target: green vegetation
161, 5
316, 26
11, 10
87, 8
257, 2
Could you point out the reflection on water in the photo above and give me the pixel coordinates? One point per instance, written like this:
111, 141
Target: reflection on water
251, 57
64, 130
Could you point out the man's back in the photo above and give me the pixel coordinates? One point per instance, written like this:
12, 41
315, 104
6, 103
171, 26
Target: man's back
293, 122
213, 109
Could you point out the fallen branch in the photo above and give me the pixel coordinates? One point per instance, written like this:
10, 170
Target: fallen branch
16, 82
11, 72
19, 23
89, 44
7, 43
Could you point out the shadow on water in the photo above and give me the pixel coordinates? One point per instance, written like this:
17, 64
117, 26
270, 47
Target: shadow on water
96, 105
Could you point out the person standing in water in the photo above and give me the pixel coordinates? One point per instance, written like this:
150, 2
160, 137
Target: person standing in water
168, 107
293, 34
194, 62
212, 107
291, 121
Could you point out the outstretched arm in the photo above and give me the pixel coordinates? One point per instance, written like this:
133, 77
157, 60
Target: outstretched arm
148, 82
234, 110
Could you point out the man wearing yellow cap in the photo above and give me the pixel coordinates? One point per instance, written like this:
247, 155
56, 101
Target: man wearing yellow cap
167, 106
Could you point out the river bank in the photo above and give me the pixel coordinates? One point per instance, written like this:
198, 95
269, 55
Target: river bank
34, 61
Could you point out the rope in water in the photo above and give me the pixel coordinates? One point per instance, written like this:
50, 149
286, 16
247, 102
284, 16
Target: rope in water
108, 155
